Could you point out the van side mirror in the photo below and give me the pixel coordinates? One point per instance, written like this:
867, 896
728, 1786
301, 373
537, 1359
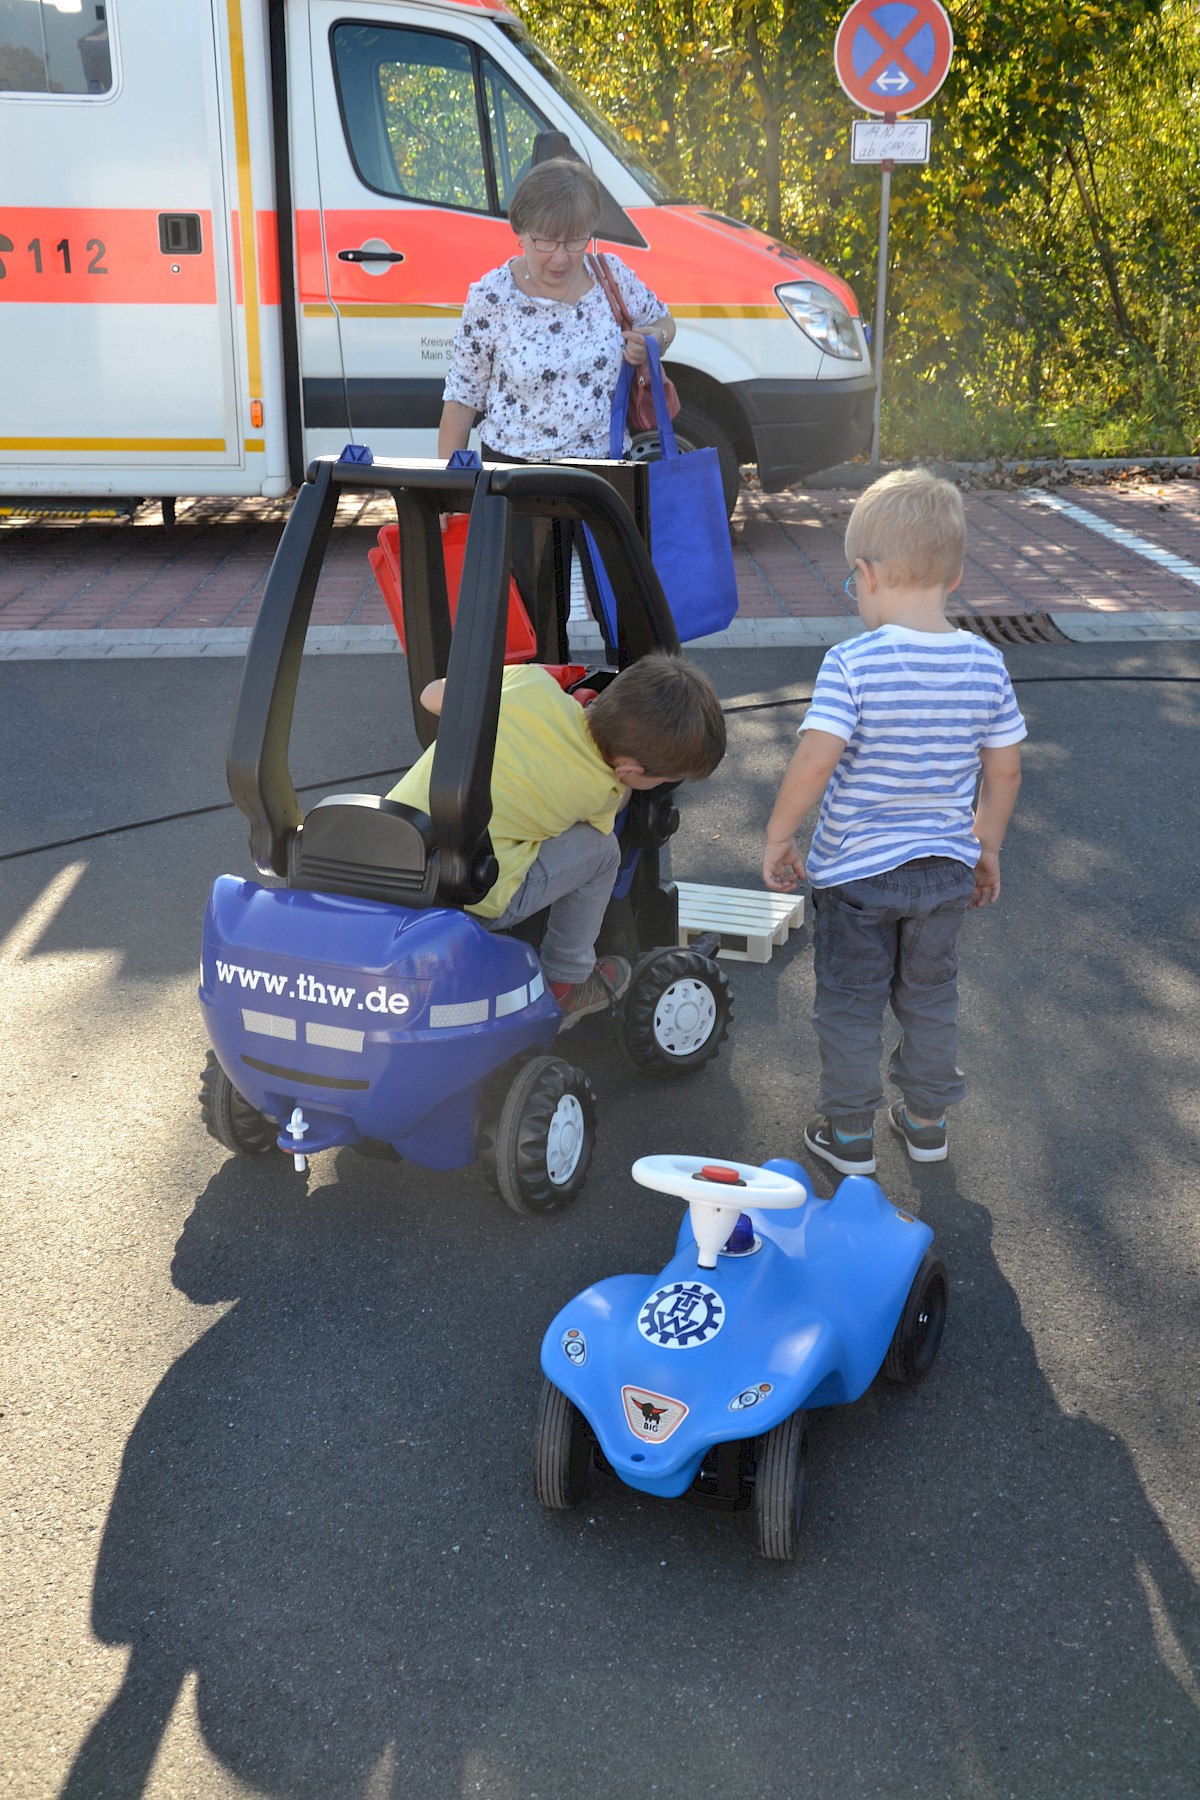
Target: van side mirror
615, 224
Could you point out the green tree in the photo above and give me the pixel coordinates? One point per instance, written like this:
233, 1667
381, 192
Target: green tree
1042, 291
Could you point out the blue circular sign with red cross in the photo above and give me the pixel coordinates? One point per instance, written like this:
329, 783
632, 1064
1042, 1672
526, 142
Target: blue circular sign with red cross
891, 56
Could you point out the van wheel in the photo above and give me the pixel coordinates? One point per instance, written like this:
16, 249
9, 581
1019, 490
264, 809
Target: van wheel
229, 1117
696, 430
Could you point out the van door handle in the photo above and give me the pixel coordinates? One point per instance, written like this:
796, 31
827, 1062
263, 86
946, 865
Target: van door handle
362, 256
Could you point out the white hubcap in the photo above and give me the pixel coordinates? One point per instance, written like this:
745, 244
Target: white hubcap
684, 1017
565, 1140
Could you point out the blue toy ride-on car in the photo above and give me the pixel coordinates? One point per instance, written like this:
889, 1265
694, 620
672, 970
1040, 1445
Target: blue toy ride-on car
701, 1378
355, 1001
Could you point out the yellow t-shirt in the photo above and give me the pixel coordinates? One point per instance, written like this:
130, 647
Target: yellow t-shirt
547, 776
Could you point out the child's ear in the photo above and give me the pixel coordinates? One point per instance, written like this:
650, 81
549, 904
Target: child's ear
952, 585
624, 767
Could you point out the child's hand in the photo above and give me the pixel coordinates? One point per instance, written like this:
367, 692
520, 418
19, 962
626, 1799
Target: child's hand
782, 867
987, 879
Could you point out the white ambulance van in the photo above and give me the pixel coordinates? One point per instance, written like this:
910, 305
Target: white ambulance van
237, 234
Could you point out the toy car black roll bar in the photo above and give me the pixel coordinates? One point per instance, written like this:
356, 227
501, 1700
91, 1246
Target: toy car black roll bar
380, 849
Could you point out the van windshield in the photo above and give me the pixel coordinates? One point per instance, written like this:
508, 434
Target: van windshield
573, 94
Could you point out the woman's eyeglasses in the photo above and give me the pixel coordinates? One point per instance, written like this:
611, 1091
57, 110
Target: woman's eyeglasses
572, 246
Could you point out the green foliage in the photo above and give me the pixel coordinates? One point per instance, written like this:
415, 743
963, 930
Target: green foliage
1043, 285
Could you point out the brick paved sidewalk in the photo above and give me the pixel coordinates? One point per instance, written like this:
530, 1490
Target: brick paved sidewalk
208, 572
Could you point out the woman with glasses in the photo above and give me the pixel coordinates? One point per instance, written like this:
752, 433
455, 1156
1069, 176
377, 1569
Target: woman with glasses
539, 350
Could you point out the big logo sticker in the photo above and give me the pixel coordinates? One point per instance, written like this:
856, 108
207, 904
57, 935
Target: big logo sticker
651, 1415
682, 1316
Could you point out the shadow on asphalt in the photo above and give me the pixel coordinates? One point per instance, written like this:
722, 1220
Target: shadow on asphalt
324, 1511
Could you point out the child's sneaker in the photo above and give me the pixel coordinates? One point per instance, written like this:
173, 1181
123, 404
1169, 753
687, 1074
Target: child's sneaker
606, 983
849, 1155
924, 1143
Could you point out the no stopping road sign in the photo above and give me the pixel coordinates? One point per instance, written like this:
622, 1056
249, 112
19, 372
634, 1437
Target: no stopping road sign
891, 56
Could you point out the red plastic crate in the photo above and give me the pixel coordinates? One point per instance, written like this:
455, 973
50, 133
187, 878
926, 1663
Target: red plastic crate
520, 637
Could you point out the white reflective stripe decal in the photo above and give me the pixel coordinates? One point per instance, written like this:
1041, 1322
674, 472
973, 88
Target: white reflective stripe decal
268, 1024
537, 988
512, 1002
335, 1037
467, 1012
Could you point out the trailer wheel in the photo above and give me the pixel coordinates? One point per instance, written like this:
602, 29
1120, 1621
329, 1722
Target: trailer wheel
918, 1334
779, 1487
696, 430
561, 1451
229, 1116
544, 1137
675, 1014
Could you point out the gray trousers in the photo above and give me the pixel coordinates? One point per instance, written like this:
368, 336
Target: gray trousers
573, 875
890, 939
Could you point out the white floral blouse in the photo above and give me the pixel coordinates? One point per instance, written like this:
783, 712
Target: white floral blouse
543, 372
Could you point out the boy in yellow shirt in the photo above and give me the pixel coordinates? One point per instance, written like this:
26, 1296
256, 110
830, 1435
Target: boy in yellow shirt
560, 775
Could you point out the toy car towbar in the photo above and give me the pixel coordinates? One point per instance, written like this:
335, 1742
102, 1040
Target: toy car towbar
700, 1378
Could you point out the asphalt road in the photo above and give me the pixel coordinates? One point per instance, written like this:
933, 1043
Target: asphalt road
264, 1453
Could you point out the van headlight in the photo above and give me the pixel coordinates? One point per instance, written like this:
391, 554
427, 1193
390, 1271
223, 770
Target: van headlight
822, 317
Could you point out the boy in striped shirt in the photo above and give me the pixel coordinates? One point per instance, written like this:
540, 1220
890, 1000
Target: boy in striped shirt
903, 718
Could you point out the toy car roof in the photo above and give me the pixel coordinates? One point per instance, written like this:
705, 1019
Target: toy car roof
442, 858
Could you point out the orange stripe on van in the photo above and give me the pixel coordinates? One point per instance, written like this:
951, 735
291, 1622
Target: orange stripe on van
266, 233
90, 256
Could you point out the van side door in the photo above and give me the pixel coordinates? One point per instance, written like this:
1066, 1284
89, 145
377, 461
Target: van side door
420, 138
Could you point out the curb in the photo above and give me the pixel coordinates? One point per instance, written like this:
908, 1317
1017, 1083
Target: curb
381, 640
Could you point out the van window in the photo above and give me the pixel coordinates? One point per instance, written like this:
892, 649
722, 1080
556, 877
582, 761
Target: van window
585, 108
427, 117
514, 126
54, 47
411, 115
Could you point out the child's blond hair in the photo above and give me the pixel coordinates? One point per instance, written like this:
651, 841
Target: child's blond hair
914, 524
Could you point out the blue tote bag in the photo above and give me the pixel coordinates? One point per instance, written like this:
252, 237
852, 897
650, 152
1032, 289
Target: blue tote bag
689, 527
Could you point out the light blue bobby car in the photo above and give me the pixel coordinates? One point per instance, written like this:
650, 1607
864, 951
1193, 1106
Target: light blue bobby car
701, 1377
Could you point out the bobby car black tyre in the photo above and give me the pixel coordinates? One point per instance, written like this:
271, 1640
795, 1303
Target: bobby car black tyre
918, 1334
229, 1116
675, 1014
545, 1136
779, 1487
561, 1451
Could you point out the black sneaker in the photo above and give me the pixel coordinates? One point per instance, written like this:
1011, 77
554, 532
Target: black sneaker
607, 982
857, 1157
924, 1143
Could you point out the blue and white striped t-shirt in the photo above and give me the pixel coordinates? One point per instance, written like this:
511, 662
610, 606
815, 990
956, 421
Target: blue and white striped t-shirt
914, 708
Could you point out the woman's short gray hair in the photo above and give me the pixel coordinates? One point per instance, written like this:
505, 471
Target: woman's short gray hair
560, 198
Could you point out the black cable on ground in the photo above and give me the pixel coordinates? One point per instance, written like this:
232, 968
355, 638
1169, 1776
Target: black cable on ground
796, 699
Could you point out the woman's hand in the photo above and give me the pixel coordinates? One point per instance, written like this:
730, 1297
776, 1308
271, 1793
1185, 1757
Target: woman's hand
635, 350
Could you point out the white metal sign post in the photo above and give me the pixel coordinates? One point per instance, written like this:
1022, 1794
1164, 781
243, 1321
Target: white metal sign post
891, 56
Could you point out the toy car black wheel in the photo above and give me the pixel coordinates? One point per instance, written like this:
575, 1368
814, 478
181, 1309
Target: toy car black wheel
544, 1138
229, 1116
918, 1335
561, 1451
779, 1487
675, 1014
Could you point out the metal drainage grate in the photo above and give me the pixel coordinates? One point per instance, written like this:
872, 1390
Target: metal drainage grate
1010, 628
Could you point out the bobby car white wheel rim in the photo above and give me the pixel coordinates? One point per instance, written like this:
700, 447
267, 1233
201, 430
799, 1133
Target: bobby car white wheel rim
684, 1017
565, 1140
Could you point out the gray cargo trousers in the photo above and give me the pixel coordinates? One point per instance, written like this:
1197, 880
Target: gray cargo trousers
889, 939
